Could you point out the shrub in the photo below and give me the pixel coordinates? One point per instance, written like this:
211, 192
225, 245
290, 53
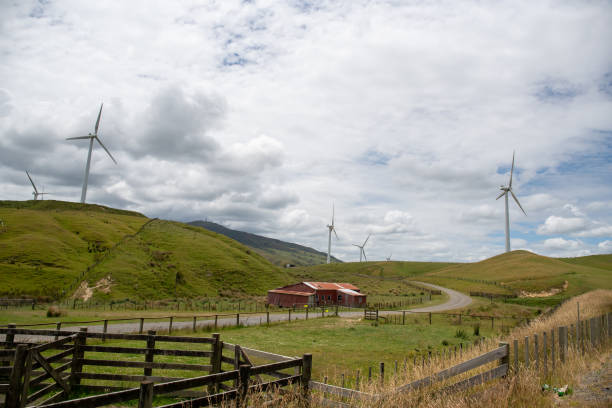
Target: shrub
54, 311
477, 329
461, 334
445, 342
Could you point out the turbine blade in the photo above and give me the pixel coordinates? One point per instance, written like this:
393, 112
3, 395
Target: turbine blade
364, 242
333, 214
336, 234
356, 245
104, 147
35, 190
500, 196
511, 171
98, 121
517, 201
79, 137
364, 256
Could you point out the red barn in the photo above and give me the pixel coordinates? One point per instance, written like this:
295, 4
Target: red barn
317, 294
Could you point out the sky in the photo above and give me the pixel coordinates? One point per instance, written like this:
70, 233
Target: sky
262, 115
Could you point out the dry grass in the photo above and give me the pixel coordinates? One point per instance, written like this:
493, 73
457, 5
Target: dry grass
522, 389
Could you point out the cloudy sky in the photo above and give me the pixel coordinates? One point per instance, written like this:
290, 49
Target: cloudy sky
260, 115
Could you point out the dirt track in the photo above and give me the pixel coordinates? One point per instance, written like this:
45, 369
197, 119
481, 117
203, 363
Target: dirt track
456, 301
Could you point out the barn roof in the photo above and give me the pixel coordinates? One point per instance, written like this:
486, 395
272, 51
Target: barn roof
350, 292
289, 292
331, 285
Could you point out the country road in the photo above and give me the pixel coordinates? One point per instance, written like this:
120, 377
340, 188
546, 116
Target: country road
456, 300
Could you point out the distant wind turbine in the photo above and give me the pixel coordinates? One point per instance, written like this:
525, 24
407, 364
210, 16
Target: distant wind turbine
361, 250
35, 193
389, 257
91, 138
505, 191
331, 228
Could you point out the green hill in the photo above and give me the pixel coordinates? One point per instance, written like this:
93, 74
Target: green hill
276, 251
49, 248
518, 272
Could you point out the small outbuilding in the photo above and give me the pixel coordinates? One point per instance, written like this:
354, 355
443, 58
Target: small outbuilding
317, 294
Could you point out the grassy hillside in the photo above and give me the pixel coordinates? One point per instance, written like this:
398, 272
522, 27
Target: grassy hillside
524, 271
595, 261
169, 259
48, 248
276, 251
45, 245
373, 278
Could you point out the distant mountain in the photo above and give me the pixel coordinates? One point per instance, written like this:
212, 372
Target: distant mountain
276, 251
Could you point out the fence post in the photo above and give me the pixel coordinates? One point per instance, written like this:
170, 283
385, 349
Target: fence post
516, 361
526, 351
58, 327
306, 374
592, 323
289, 318
459, 319
244, 373
506, 358
170, 325
537, 351
552, 349
577, 323
14, 392
430, 318
336, 310
216, 322
141, 325
10, 336
76, 365
306, 313
492, 322
194, 323
104, 330
382, 373
215, 361
267, 318
545, 354
149, 354
357, 380
403, 317
145, 399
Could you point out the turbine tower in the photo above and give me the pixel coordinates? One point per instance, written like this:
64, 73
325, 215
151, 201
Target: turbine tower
505, 191
91, 138
35, 193
361, 251
331, 228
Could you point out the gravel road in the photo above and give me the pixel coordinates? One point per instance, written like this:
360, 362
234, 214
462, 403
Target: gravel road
456, 300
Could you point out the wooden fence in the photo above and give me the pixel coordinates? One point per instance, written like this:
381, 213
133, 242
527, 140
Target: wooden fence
212, 322
544, 351
38, 370
500, 354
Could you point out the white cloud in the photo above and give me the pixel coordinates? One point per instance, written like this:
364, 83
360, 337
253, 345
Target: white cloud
562, 225
560, 243
605, 246
261, 114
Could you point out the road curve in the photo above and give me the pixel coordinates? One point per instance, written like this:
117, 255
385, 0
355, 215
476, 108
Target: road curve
457, 300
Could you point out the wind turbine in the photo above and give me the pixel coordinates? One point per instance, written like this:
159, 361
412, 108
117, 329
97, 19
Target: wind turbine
361, 251
389, 257
91, 138
505, 191
331, 228
35, 193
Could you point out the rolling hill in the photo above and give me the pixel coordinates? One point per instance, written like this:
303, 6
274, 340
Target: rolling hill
49, 248
276, 251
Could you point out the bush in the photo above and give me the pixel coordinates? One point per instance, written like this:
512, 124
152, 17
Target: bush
445, 342
461, 334
54, 311
477, 329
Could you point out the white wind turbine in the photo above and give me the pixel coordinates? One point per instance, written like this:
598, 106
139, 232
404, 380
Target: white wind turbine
505, 191
389, 257
361, 250
35, 193
331, 228
91, 138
